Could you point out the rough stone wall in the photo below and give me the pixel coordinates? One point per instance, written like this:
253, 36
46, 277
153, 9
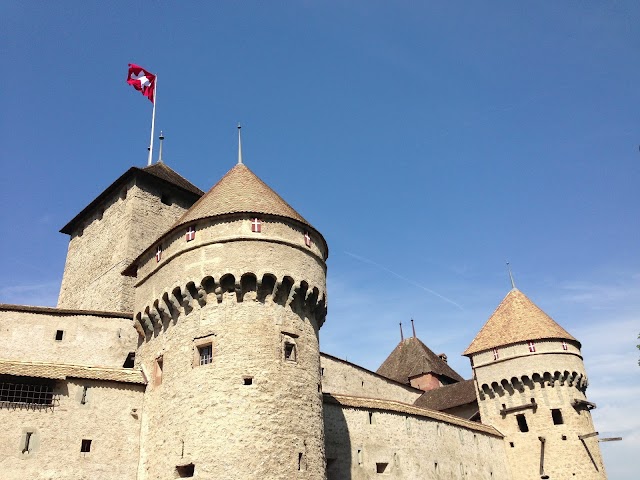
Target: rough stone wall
86, 340
250, 413
339, 376
107, 242
106, 419
412, 447
554, 378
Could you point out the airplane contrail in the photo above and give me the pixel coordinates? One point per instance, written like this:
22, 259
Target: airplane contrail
422, 287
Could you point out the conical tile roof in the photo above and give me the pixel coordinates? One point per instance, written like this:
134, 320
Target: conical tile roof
517, 319
240, 190
412, 357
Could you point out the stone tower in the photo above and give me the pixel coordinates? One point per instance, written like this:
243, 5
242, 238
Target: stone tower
530, 383
228, 306
114, 228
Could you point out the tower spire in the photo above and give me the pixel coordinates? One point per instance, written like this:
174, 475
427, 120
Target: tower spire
161, 138
239, 145
513, 284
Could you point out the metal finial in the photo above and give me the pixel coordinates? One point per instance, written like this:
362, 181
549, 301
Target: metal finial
239, 145
413, 327
513, 284
401, 334
161, 138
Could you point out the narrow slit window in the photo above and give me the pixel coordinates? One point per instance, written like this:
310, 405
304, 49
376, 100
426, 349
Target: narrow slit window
205, 353
556, 414
85, 447
522, 423
370, 418
83, 400
27, 442
300, 461
59, 335
159, 369
381, 467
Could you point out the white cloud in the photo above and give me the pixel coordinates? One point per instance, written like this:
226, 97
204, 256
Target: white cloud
40, 294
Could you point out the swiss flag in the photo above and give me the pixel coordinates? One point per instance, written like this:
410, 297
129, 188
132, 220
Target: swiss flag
142, 80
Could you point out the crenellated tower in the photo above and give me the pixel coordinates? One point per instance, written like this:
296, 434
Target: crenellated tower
228, 306
531, 383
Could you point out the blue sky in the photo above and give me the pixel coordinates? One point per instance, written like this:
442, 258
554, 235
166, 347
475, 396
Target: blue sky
428, 142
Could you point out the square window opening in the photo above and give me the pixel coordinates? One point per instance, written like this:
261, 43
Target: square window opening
59, 335
186, 471
381, 467
85, 447
511, 444
522, 423
205, 354
556, 414
130, 360
247, 381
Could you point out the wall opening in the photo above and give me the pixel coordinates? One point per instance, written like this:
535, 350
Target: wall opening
59, 335
166, 199
205, 354
381, 467
85, 446
511, 444
360, 456
186, 471
289, 352
300, 461
370, 418
556, 414
158, 371
27, 392
83, 400
522, 423
247, 381
130, 360
27, 442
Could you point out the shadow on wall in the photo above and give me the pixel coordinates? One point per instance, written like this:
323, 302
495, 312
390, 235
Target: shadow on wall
338, 443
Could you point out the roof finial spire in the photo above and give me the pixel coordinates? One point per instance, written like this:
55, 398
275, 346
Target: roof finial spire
413, 327
239, 145
513, 284
401, 334
161, 138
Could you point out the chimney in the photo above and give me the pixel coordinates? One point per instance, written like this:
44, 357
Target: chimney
443, 357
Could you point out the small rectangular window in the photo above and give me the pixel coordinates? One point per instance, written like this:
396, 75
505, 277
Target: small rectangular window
186, 471
130, 360
247, 380
289, 352
86, 446
158, 372
205, 353
59, 335
556, 414
300, 461
381, 467
522, 423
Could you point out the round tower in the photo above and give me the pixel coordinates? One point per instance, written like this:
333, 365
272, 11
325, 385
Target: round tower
531, 383
229, 303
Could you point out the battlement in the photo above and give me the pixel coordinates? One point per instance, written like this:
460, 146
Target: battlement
230, 287
523, 383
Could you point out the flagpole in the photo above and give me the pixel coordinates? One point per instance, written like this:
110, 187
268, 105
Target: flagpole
153, 121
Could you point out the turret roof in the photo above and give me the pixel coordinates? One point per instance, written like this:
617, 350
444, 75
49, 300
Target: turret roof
517, 319
239, 191
412, 357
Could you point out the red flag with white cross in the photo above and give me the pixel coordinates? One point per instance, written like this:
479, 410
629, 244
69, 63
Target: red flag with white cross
142, 80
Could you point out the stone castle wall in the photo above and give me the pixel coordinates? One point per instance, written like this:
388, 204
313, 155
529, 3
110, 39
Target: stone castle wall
340, 376
107, 418
101, 248
364, 438
29, 335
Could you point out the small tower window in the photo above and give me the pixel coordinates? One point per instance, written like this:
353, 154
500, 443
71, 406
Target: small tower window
186, 471
247, 380
83, 400
256, 225
59, 335
381, 467
556, 414
130, 360
289, 351
85, 447
532, 347
27, 442
522, 423
370, 418
205, 353
191, 233
158, 371
166, 199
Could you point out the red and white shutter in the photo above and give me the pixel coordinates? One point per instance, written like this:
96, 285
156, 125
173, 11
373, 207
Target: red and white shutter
191, 233
256, 225
158, 253
564, 345
532, 347
495, 354
307, 239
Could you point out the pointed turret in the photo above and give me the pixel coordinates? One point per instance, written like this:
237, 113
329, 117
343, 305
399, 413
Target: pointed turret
517, 319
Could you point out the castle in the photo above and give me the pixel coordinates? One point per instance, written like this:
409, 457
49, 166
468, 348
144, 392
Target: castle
185, 343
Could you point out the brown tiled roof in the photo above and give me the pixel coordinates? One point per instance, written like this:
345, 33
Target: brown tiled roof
240, 190
63, 311
412, 357
158, 172
391, 406
61, 372
517, 319
448, 396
